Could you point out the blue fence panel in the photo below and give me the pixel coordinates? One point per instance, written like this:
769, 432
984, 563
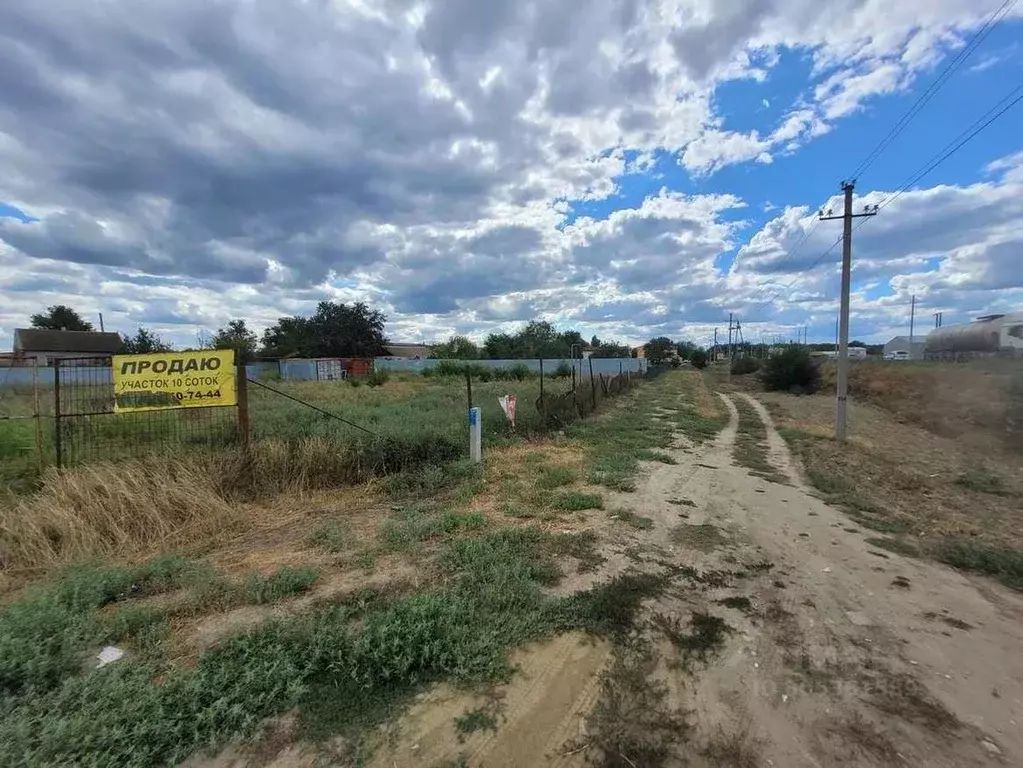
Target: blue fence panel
298, 370
22, 377
604, 365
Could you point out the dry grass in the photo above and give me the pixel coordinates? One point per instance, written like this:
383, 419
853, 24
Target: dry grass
111, 511
130, 508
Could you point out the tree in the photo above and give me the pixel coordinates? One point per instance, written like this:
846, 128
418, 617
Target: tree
659, 350
60, 317
457, 348
791, 370
699, 357
686, 349
611, 349
335, 330
238, 337
594, 342
144, 342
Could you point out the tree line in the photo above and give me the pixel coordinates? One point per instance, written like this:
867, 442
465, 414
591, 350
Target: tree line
357, 330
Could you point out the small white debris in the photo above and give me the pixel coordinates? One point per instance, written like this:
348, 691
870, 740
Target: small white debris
784, 698
756, 665
990, 747
109, 655
914, 663
826, 570
948, 677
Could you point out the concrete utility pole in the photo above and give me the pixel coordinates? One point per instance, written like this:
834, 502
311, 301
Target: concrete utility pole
912, 321
729, 335
842, 387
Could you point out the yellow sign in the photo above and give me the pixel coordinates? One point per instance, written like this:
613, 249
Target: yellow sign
174, 380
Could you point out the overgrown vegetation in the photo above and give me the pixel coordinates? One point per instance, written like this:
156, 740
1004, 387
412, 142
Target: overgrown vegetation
750, 448
791, 370
743, 365
1004, 563
340, 667
700, 414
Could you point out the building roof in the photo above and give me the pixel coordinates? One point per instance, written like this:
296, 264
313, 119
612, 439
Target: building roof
84, 342
399, 349
905, 340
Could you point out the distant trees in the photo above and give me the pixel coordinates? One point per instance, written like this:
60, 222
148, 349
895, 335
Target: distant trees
334, 330
60, 317
659, 350
144, 342
457, 348
238, 337
610, 349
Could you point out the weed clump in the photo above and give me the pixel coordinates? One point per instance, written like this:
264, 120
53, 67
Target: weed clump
791, 370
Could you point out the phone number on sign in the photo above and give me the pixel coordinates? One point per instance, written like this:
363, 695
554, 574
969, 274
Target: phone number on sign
210, 394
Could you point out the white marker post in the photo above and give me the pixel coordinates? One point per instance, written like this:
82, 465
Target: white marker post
475, 436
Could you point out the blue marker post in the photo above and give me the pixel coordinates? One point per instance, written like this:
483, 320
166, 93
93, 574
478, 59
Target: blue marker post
475, 435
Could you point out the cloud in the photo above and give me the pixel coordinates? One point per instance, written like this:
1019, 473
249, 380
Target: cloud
189, 161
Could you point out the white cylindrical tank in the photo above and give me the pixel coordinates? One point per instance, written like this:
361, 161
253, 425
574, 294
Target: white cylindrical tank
982, 335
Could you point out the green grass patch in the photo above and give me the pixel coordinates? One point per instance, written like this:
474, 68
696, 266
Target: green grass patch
410, 526
331, 536
556, 477
280, 584
576, 501
342, 668
750, 449
980, 479
899, 546
1004, 563
479, 719
618, 440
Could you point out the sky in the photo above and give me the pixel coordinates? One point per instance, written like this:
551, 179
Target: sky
627, 168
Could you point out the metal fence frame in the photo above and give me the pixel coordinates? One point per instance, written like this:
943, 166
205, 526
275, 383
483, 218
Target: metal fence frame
86, 428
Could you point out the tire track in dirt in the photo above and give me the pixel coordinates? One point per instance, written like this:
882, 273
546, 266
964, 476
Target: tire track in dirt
777, 450
832, 663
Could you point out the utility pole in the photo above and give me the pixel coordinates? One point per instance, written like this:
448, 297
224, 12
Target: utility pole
842, 387
912, 320
729, 335
101, 322
714, 356
937, 319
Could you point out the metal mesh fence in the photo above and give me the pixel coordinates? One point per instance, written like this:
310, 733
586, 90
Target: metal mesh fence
86, 428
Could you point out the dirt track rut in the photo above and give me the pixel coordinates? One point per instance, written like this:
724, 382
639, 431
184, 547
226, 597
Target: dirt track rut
848, 655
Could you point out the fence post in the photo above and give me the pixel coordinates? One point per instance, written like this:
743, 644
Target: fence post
37, 413
468, 388
57, 446
475, 436
593, 384
543, 405
573, 374
244, 427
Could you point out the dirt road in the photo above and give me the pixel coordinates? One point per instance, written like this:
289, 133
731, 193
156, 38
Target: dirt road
833, 652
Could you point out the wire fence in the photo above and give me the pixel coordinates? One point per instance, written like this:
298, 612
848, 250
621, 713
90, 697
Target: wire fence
70, 416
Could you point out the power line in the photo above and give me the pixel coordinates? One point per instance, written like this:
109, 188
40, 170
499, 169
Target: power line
960, 141
946, 74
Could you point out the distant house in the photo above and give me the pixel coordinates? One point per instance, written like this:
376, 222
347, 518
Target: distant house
901, 344
45, 346
400, 351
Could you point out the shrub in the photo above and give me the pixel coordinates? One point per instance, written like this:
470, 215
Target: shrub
699, 358
519, 372
744, 365
792, 370
563, 371
377, 378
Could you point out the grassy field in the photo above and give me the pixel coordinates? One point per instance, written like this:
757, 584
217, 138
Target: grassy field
335, 605
932, 461
421, 414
